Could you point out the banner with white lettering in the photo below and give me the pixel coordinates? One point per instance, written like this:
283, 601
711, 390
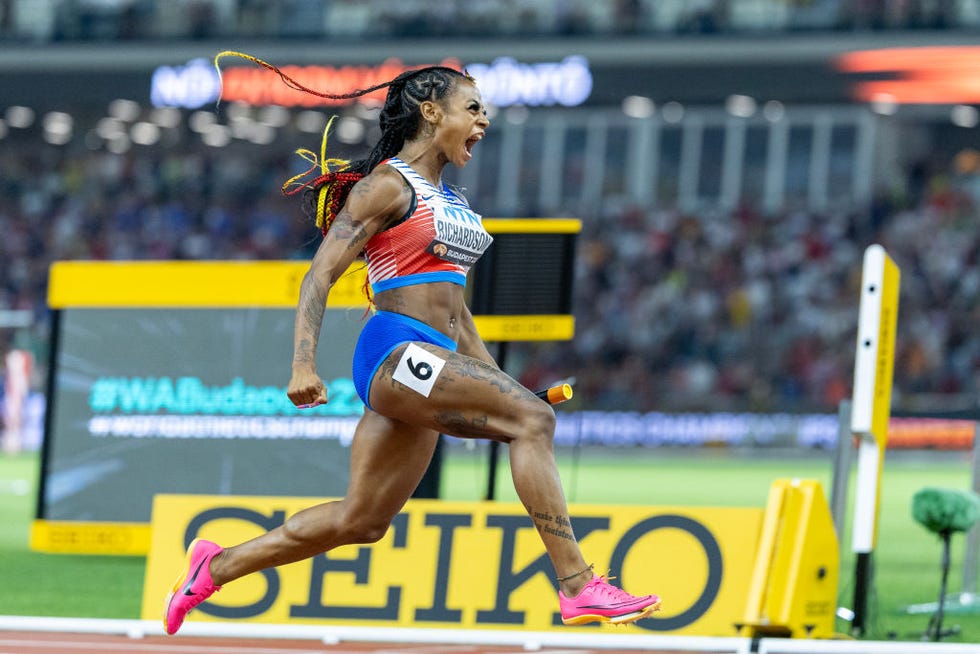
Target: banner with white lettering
152, 401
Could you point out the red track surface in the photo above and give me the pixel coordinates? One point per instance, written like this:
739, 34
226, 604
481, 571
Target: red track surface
26, 642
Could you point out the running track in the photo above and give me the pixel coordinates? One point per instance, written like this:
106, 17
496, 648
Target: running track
46, 635
27, 642
88, 639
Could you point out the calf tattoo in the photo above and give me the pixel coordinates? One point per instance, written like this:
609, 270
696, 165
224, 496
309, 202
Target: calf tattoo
555, 525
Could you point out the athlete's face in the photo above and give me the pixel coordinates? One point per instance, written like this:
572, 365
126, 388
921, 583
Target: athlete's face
463, 122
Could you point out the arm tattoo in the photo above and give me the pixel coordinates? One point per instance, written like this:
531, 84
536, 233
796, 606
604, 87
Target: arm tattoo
345, 226
305, 351
345, 229
309, 319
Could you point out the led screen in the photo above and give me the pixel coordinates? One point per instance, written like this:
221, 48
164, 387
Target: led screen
148, 401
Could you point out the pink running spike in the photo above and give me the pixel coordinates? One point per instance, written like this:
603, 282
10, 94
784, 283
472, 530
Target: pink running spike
602, 602
193, 585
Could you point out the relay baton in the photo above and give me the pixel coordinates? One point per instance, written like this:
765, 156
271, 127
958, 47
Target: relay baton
556, 394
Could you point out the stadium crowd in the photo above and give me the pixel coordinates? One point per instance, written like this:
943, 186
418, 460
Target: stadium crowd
101, 20
674, 311
743, 311
706, 310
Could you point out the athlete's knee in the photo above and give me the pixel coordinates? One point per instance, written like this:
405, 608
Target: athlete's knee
361, 525
538, 423
299, 529
364, 531
349, 527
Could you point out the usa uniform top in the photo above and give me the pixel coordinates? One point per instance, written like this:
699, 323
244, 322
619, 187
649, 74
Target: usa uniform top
437, 241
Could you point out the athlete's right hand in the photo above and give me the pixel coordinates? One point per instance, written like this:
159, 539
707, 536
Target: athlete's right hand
306, 389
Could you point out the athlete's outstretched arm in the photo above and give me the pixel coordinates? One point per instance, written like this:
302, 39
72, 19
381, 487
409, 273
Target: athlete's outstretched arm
373, 202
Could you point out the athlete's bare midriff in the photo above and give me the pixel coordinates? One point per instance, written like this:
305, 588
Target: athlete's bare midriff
438, 304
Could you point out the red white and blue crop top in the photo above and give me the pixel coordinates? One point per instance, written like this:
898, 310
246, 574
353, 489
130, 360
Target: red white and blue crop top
437, 242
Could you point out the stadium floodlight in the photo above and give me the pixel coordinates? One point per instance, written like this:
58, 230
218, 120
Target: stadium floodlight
638, 106
119, 144
350, 130
144, 133
773, 111
242, 127
127, 110
261, 134
274, 115
57, 138
884, 104
673, 112
239, 111
310, 121
740, 106
201, 121
217, 136
110, 128
368, 112
19, 117
963, 115
167, 117
58, 127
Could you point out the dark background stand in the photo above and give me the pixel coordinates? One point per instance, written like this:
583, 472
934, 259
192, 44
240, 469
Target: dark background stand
935, 631
494, 450
526, 275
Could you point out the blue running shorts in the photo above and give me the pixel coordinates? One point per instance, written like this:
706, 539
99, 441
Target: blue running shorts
384, 332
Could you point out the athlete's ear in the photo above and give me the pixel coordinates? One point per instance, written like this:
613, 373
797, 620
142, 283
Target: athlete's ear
431, 112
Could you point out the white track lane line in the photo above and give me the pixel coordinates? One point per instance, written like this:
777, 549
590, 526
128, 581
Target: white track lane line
433, 649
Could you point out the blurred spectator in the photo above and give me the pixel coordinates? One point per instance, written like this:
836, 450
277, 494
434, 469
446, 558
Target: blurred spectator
674, 311
198, 19
747, 312
735, 310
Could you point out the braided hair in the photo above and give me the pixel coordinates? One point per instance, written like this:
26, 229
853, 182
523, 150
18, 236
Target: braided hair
400, 119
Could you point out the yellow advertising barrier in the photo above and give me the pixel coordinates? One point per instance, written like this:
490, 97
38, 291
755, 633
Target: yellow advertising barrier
794, 585
465, 565
75, 537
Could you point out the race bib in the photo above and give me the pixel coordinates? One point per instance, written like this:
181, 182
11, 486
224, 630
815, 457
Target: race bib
418, 369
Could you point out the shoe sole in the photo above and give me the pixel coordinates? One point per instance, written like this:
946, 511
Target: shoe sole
181, 578
628, 618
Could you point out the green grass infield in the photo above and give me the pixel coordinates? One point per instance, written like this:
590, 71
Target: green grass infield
907, 560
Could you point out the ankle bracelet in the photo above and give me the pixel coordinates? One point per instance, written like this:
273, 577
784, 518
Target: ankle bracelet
580, 572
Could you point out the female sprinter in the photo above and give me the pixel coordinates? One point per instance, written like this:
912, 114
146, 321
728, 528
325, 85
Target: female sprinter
419, 366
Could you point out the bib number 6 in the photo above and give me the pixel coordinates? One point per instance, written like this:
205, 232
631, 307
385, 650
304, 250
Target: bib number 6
418, 369
422, 370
